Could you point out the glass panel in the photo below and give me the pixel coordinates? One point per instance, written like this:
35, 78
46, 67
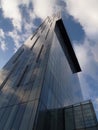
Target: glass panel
89, 116
79, 122
69, 119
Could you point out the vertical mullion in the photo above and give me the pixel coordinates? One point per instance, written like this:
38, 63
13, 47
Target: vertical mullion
39, 53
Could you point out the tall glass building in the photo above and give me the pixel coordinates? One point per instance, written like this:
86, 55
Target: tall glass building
42, 75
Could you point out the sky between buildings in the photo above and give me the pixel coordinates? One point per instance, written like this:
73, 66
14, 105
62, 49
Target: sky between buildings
19, 19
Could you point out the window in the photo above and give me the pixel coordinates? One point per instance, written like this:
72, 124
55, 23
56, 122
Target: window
33, 35
43, 28
22, 76
4, 82
18, 56
49, 20
51, 24
35, 42
47, 33
39, 53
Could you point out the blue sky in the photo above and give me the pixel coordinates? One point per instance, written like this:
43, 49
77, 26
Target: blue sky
19, 19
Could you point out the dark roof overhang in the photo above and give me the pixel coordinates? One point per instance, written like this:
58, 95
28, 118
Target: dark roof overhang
67, 46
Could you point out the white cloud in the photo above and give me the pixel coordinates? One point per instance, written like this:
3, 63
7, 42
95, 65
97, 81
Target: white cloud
44, 8
11, 10
89, 67
96, 100
3, 46
2, 40
95, 51
85, 12
20, 37
15, 36
2, 33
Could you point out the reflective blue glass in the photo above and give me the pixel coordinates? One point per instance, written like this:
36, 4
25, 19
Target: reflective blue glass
61, 87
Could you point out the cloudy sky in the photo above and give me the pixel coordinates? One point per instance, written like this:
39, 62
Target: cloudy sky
18, 20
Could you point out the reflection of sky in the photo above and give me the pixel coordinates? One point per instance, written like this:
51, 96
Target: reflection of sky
19, 19
59, 83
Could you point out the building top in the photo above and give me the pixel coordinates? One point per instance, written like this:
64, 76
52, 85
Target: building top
55, 23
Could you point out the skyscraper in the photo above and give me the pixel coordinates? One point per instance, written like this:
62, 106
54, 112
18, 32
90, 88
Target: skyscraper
42, 75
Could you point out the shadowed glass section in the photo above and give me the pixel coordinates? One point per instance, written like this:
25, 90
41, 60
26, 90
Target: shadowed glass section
69, 118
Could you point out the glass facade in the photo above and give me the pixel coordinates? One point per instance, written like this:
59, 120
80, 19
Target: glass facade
42, 75
60, 83
60, 87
